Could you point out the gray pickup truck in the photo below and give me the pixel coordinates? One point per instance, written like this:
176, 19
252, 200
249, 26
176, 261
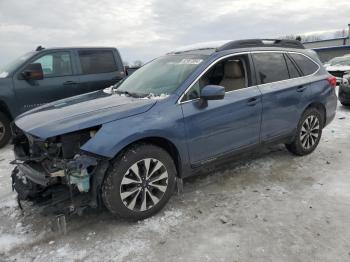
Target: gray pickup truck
46, 75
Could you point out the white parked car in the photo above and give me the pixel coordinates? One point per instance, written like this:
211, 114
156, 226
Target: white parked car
338, 66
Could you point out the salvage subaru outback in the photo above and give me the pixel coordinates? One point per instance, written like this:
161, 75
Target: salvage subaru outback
127, 149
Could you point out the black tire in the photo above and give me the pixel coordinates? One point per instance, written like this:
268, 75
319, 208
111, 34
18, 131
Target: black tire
345, 104
120, 169
5, 130
297, 145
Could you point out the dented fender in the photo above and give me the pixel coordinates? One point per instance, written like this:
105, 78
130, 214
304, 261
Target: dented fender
112, 137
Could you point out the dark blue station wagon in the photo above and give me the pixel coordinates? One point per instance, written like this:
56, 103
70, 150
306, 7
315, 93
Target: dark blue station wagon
129, 147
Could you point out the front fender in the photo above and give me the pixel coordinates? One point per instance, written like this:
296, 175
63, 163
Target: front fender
161, 122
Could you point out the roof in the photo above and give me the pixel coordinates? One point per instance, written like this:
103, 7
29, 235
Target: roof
75, 47
201, 46
239, 44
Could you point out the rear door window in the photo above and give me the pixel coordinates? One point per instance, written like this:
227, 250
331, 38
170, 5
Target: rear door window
97, 61
270, 67
306, 65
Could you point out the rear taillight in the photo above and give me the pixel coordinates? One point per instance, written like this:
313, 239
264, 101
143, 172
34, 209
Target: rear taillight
332, 80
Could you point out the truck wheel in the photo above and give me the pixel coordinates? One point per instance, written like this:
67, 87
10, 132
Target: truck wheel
5, 131
139, 182
308, 133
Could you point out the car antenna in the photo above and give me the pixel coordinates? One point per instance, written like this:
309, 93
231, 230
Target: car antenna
39, 48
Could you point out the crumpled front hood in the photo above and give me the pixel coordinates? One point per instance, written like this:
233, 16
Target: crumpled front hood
80, 112
337, 68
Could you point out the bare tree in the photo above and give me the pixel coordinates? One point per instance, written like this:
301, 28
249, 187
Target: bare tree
340, 33
137, 63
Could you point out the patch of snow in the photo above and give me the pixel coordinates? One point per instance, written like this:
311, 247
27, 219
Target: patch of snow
109, 90
162, 224
9, 202
4, 74
153, 96
9, 241
128, 247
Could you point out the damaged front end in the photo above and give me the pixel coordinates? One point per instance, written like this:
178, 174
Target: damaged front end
55, 173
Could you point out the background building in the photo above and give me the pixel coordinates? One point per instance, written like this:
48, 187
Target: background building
330, 48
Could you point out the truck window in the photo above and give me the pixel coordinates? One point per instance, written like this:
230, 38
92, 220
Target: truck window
97, 61
56, 64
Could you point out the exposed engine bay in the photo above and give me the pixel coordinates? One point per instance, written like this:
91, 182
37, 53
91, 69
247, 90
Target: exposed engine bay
55, 173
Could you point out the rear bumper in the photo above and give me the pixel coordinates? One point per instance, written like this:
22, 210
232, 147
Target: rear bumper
331, 107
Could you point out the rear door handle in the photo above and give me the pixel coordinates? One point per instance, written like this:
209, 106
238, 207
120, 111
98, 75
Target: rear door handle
252, 101
69, 83
301, 88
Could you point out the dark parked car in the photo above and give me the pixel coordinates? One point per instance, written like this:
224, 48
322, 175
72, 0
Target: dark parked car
46, 75
172, 117
344, 90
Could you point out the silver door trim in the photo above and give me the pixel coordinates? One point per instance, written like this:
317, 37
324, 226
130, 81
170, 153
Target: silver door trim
243, 53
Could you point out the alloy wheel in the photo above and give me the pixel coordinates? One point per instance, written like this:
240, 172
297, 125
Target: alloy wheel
310, 131
144, 184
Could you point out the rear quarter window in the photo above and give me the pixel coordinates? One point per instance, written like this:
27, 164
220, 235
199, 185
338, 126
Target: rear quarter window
306, 65
97, 61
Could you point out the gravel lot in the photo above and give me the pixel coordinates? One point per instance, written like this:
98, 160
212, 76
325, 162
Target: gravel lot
271, 206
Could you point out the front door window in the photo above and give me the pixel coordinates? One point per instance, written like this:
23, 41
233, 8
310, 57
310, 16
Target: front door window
56, 64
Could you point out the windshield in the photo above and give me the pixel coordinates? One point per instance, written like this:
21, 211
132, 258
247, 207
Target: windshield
344, 61
162, 76
5, 70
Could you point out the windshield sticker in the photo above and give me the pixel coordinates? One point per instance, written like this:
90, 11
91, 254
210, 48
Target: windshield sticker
190, 61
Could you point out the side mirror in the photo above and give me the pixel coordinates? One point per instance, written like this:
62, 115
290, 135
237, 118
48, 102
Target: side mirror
33, 72
212, 92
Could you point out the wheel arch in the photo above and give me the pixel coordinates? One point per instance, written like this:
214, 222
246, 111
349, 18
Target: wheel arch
320, 107
5, 110
163, 143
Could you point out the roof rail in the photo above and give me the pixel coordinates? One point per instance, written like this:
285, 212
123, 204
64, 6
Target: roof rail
286, 43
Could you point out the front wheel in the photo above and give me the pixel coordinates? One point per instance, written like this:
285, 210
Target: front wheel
139, 182
308, 133
5, 132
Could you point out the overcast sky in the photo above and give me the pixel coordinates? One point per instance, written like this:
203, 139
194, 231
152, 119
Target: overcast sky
144, 29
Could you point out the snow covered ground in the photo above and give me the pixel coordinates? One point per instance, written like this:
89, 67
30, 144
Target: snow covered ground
269, 206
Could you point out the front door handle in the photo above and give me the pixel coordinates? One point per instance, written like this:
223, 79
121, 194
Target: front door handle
301, 88
69, 83
252, 101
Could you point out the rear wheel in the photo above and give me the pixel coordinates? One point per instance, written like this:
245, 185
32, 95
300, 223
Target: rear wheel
5, 132
140, 182
308, 133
